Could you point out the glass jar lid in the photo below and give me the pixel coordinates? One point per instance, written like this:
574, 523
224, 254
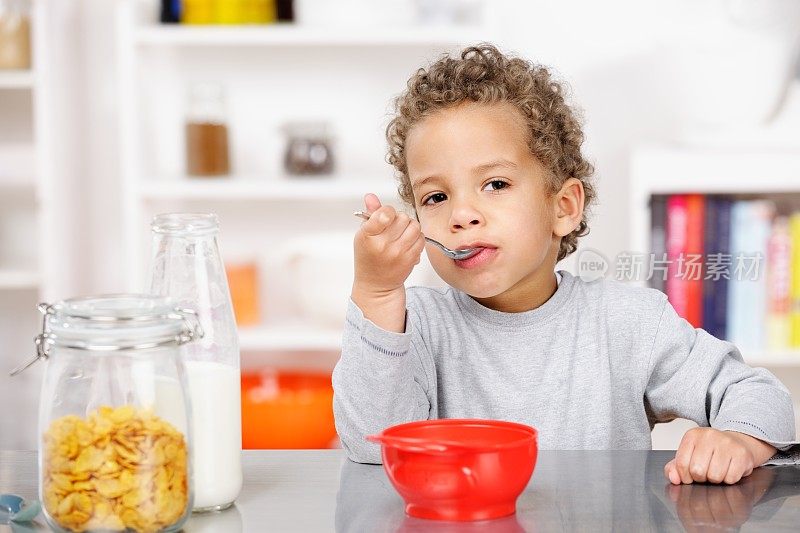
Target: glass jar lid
308, 130
113, 323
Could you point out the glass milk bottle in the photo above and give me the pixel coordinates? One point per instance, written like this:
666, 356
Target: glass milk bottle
187, 267
114, 414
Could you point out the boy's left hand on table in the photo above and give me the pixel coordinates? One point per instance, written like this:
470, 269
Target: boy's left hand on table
708, 455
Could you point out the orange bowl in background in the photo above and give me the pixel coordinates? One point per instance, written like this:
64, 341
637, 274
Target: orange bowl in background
287, 409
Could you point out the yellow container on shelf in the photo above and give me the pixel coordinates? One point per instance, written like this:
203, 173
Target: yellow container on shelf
230, 11
261, 11
198, 12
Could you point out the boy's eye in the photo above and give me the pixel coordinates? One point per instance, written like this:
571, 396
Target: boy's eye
496, 185
434, 198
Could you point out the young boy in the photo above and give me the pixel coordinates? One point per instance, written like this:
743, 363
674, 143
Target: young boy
489, 156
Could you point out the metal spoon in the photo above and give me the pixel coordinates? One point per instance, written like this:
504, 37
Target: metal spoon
452, 254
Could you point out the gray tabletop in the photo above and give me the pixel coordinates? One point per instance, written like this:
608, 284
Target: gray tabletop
319, 490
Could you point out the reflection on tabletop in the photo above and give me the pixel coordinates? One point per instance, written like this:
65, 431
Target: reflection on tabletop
227, 521
757, 499
367, 501
601, 491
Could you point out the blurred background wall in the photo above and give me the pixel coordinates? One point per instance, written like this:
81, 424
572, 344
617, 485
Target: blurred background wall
94, 142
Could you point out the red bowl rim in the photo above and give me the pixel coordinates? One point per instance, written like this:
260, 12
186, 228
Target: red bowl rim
531, 433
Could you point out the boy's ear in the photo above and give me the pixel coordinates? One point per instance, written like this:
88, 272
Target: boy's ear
568, 207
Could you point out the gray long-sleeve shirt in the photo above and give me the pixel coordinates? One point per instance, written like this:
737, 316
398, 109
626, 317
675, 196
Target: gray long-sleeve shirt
594, 367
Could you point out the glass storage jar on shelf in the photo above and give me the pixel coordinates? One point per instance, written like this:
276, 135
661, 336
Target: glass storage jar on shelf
309, 149
114, 415
15, 34
187, 267
207, 150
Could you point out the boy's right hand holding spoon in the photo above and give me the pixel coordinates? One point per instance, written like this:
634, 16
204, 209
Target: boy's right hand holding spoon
387, 246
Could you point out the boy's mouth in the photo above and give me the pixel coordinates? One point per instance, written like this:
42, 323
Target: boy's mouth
484, 252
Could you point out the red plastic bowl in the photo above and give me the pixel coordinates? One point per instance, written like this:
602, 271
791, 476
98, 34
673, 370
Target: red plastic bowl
455, 469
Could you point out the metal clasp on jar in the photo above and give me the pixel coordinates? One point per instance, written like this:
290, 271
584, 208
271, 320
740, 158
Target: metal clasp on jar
192, 331
42, 341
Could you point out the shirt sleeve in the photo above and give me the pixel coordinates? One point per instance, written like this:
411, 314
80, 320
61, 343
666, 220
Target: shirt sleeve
380, 380
696, 376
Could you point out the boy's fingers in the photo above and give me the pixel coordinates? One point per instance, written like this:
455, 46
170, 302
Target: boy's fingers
718, 468
682, 459
371, 202
672, 473
399, 224
379, 220
698, 465
417, 248
735, 472
410, 235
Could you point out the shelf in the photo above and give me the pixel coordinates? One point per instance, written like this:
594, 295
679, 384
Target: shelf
241, 189
292, 35
16, 185
289, 337
302, 337
676, 169
786, 358
17, 164
16, 79
18, 279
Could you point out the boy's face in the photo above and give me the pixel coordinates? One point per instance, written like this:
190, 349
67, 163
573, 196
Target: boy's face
476, 183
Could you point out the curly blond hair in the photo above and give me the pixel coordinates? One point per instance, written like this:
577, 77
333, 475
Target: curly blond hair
483, 74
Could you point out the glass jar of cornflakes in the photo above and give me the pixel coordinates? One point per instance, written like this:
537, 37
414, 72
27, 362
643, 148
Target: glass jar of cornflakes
114, 415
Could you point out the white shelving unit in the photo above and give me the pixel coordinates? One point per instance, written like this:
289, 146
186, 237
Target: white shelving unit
18, 279
29, 216
281, 337
346, 76
24, 177
292, 35
252, 189
676, 169
16, 79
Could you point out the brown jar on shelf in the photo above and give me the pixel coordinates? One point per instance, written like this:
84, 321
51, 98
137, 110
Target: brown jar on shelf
207, 152
15, 34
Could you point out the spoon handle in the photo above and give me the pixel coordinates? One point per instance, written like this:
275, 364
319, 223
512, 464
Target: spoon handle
365, 216
453, 254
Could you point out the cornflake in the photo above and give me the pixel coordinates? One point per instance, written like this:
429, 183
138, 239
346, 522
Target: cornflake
120, 468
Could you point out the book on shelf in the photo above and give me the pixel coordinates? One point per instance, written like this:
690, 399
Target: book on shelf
750, 228
716, 248
684, 252
677, 219
778, 285
658, 237
693, 263
746, 288
794, 317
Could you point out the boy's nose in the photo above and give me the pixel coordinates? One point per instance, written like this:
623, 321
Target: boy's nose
464, 216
